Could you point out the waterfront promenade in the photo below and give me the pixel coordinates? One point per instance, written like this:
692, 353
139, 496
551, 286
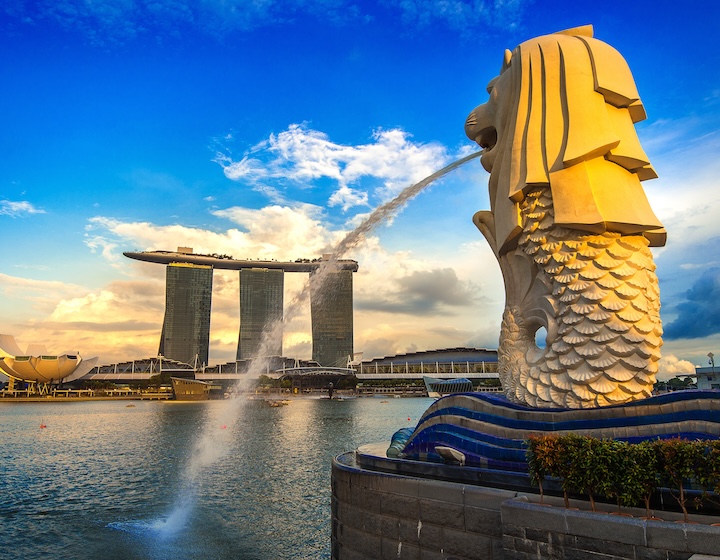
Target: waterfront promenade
76, 395
164, 394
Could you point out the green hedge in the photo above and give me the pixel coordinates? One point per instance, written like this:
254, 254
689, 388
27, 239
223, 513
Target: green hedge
626, 473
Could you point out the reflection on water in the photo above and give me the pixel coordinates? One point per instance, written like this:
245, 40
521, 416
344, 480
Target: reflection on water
99, 481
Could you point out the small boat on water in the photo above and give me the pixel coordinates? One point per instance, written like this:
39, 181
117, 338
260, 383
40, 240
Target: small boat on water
276, 403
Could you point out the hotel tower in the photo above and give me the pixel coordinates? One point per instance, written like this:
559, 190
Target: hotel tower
188, 296
186, 327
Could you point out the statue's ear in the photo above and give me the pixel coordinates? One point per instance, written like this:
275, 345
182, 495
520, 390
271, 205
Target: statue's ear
581, 31
506, 61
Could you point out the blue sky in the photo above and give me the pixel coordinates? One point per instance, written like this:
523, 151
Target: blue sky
268, 129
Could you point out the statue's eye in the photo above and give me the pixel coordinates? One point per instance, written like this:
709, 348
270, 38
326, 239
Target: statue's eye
491, 84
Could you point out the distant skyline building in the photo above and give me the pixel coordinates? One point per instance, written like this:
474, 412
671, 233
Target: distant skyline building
261, 306
186, 326
331, 311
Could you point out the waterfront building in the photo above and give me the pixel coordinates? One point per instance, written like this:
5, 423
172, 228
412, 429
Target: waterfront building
36, 368
261, 308
135, 371
331, 310
445, 363
707, 377
185, 333
261, 304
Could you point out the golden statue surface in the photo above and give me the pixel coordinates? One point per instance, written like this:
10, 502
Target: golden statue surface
570, 224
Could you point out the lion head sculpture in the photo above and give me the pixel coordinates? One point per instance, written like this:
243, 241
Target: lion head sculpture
562, 113
570, 224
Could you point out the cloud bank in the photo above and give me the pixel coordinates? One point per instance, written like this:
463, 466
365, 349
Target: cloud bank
699, 314
300, 157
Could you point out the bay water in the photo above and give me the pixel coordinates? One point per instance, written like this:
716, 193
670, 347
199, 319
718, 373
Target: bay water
102, 478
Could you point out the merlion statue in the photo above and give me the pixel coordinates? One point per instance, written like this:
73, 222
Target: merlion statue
570, 224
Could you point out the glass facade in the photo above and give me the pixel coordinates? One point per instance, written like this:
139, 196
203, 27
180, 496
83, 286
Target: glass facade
331, 309
186, 327
261, 307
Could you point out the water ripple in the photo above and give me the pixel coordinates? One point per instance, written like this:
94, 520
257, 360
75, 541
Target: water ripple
100, 481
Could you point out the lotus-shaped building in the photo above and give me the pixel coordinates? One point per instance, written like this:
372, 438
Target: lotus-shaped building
37, 365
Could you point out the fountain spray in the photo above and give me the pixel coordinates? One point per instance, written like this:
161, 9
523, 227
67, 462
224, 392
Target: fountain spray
211, 444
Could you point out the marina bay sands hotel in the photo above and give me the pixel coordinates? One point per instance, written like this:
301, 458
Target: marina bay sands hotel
188, 297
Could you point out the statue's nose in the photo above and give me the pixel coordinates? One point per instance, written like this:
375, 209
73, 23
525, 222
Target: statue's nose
477, 120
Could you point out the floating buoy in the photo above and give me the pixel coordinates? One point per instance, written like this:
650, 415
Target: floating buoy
408, 419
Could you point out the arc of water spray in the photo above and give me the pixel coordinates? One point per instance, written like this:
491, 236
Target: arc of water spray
213, 443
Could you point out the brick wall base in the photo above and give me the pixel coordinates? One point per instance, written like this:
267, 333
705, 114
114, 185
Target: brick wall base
381, 516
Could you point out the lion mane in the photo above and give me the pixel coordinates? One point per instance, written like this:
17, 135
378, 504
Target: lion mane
562, 114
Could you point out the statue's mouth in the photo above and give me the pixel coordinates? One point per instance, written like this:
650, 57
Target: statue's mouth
479, 129
487, 138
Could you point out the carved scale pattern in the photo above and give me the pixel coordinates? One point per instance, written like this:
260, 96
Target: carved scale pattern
604, 341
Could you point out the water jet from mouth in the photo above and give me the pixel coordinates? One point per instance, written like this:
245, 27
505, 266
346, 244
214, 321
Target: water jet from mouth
211, 445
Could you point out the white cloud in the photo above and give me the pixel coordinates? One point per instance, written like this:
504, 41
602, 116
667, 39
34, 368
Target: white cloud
346, 198
685, 195
670, 365
273, 194
107, 248
42, 294
272, 232
282, 231
91, 307
118, 322
41, 267
16, 209
247, 169
279, 232
301, 156
703, 265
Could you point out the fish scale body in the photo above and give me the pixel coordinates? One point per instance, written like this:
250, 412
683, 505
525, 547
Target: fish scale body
604, 334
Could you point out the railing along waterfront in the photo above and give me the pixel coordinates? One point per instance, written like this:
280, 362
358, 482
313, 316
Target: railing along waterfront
473, 369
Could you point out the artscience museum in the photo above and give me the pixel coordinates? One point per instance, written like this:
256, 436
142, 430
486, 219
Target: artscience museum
37, 366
